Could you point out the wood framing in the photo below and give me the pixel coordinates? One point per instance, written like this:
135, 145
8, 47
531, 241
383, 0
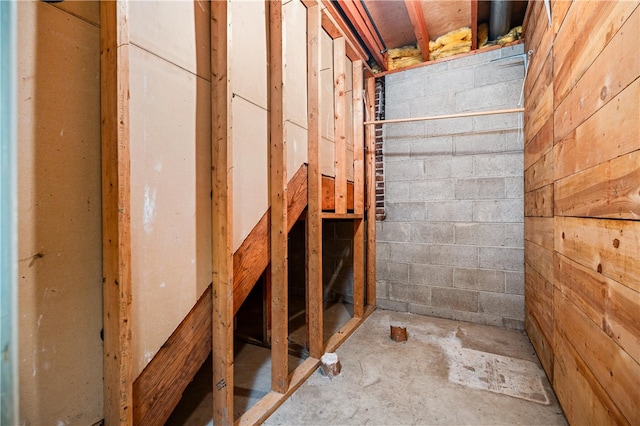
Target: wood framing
159, 387
116, 213
329, 191
314, 184
278, 201
222, 216
370, 176
340, 123
335, 26
359, 261
416, 16
358, 17
474, 24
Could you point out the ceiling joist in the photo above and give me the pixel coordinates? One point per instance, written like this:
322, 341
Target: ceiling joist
416, 16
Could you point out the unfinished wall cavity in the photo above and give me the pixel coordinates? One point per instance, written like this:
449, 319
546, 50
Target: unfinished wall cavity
452, 242
59, 213
582, 170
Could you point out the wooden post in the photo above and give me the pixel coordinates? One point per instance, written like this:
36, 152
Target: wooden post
340, 124
371, 194
314, 209
358, 191
222, 216
278, 199
116, 213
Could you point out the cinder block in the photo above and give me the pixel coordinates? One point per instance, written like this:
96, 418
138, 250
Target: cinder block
514, 235
516, 49
499, 72
514, 187
409, 252
453, 298
474, 59
410, 293
480, 188
405, 170
498, 211
453, 255
427, 232
432, 189
382, 289
479, 234
396, 150
396, 109
393, 231
452, 211
433, 311
507, 259
479, 279
397, 191
447, 81
449, 126
480, 142
499, 121
396, 77
382, 251
406, 212
392, 305
485, 97
498, 165
448, 167
431, 275
408, 130
513, 324
428, 147
504, 305
514, 282
432, 104
514, 139
398, 272
407, 88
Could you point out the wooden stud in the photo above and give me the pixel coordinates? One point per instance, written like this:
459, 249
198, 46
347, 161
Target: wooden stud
358, 138
340, 124
474, 24
116, 213
222, 215
314, 210
278, 201
416, 16
370, 178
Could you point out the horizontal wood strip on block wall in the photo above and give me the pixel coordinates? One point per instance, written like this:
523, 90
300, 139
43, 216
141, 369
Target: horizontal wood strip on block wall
159, 387
608, 247
612, 71
539, 202
608, 190
606, 302
584, 400
615, 370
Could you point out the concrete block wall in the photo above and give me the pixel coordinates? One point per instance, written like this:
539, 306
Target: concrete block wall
451, 244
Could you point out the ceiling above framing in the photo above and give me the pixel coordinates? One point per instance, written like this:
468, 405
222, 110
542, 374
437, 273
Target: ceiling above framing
388, 24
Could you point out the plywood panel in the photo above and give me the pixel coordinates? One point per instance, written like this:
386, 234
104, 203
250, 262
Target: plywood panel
327, 156
613, 70
86, 10
574, 55
59, 217
167, 160
249, 51
250, 192
610, 189
606, 302
442, 15
177, 31
614, 369
608, 247
296, 147
612, 131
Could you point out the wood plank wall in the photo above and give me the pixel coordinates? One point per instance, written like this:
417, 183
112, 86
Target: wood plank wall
582, 205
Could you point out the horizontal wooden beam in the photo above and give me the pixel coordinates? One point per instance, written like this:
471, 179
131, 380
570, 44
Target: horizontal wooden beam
328, 194
350, 216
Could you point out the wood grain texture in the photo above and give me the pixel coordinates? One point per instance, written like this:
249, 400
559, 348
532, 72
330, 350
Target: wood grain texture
328, 194
612, 367
606, 302
613, 70
540, 173
539, 294
315, 183
159, 387
539, 230
340, 124
358, 139
608, 190
538, 98
608, 247
612, 131
539, 202
540, 259
336, 27
116, 213
222, 215
543, 348
370, 189
539, 145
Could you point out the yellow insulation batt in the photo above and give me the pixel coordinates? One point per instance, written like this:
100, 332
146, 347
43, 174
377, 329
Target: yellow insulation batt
451, 43
404, 56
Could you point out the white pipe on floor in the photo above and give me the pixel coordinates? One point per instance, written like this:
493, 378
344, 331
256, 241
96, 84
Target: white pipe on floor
441, 117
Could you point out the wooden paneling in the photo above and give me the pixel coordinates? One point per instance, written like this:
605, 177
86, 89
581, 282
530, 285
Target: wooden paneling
328, 194
608, 190
540, 173
539, 99
540, 258
539, 202
539, 145
539, 301
539, 230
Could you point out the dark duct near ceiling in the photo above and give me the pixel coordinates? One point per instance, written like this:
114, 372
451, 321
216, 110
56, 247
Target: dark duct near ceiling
500, 19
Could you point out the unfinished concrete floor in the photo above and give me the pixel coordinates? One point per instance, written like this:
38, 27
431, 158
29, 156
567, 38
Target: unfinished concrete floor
448, 372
